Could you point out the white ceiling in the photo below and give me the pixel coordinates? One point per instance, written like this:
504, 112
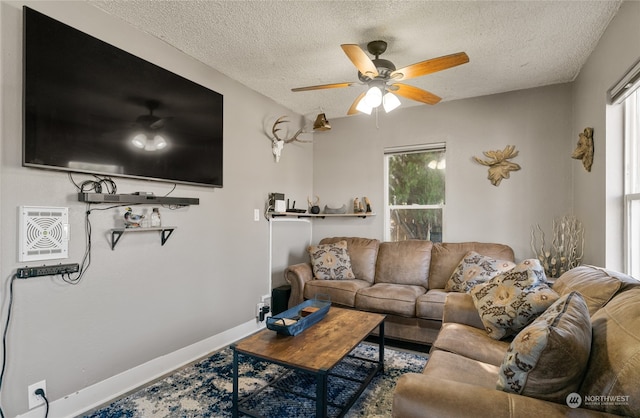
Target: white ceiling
272, 46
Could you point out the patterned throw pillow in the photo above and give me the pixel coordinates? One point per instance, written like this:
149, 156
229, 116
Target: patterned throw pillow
474, 269
331, 261
548, 358
512, 300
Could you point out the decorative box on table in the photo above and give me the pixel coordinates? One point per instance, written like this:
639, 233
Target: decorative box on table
295, 320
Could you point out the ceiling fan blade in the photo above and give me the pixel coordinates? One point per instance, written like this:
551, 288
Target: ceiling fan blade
323, 86
414, 93
430, 66
159, 124
360, 59
352, 110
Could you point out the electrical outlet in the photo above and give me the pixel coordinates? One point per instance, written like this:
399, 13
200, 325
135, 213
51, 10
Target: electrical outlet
256, 215
259, 307
36, 400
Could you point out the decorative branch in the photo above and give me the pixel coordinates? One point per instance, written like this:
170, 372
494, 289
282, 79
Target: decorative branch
566, 249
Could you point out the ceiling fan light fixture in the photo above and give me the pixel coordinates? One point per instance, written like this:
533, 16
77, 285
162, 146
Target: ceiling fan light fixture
390, 101
142, 141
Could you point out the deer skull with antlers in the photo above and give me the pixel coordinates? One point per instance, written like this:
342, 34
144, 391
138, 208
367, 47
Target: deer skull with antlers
277, 143
499, 167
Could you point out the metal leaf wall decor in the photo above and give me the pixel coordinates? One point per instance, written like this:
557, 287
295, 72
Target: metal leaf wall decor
499, 165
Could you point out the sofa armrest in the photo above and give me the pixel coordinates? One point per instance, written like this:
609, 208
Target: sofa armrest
297, 275
459, 307
418, 395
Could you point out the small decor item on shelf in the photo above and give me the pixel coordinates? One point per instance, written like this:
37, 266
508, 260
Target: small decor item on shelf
566, 249
155, 218
357, 206
314, 207
132, 220
335, 211
584, 149
368, 203
499, 167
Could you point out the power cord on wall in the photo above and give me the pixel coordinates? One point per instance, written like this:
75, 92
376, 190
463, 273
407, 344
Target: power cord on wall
40, 392
97, 186
4, 336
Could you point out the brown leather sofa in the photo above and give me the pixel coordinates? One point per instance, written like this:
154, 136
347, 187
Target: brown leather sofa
461, 375
405, 280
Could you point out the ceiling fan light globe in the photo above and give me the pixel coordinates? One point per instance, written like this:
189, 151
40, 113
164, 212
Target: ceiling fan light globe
159, 142
373, 97
390, 102
364, 107
139, 141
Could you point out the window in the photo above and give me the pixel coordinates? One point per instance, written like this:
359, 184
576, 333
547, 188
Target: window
632, 183
414, 193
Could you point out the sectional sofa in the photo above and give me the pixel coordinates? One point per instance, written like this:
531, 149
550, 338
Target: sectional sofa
405, 280
579, 358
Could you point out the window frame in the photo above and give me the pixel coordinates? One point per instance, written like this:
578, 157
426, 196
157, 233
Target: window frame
631, 181
410, 149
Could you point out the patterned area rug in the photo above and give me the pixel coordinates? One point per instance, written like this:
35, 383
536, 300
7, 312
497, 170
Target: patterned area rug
204, 388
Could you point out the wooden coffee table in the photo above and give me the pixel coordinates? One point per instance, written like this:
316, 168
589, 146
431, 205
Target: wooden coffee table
316, 351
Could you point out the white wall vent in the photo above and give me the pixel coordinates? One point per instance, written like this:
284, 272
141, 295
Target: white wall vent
43, 233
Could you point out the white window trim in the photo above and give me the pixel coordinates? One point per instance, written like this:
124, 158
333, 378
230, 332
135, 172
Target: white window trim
629, 199
405, 149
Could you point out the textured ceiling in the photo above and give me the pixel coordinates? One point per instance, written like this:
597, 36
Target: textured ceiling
273, 46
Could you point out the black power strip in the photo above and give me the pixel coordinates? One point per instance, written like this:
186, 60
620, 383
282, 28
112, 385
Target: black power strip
26, 272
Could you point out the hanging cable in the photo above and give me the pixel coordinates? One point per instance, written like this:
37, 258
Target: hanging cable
4, 337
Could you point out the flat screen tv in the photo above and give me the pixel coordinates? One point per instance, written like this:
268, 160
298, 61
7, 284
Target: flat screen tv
93, 108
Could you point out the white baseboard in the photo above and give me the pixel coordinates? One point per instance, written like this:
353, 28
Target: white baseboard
102, 392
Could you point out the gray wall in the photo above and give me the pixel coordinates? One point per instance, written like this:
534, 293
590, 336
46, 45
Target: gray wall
142, 300
348, 162
598, 194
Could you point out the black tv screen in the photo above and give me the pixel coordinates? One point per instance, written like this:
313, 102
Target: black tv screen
93, 108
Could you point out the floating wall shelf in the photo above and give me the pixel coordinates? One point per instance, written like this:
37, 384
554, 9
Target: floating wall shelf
321, 215
165, 233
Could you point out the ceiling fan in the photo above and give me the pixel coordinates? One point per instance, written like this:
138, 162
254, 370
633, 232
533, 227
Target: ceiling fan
381, 76
149, 137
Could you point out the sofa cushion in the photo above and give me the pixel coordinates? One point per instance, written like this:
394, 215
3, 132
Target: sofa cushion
512, 300
404, 262
341, 292
363, 253
474, 269
470, 342
396, 299
445, 257
331, 261
595, 284
449, 366
431, 304
548, 358
614, 366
